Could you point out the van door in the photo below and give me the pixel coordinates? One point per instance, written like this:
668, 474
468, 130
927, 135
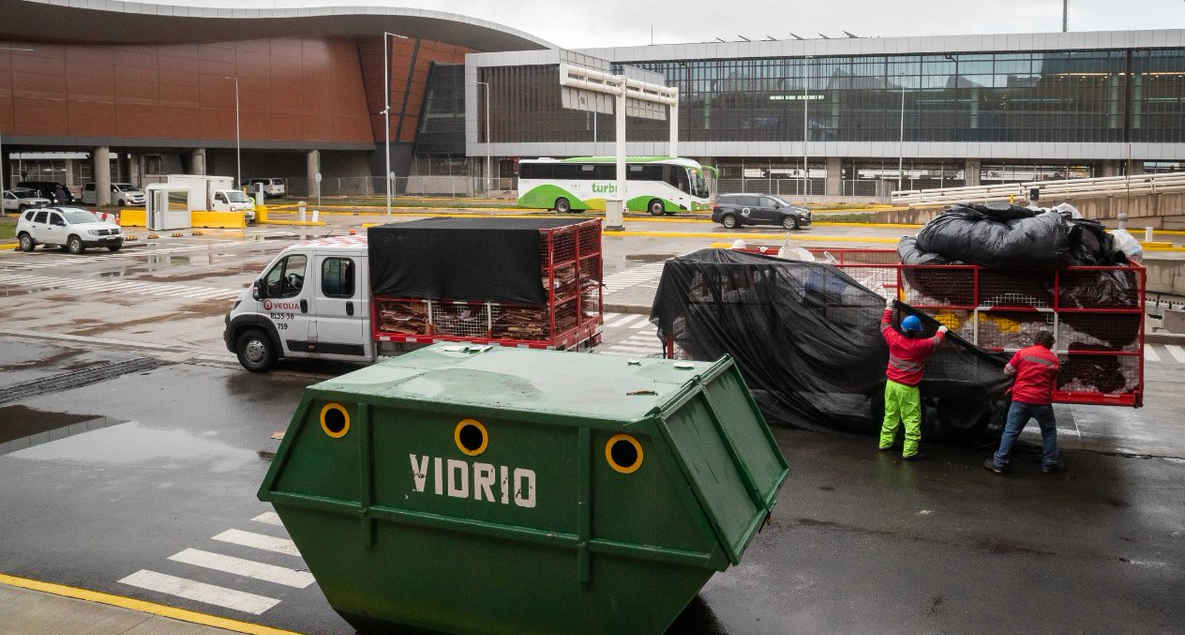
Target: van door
88, 194
220, 203
287, 304
342, 317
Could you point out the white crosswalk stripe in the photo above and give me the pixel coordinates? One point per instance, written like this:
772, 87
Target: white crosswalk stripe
243, 567
269, 518
200, 592
258, 541
253, 575
107, 286
1150, 353
1177, 352
648, 273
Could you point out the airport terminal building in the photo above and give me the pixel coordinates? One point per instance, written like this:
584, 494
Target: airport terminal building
957, 110
100, 90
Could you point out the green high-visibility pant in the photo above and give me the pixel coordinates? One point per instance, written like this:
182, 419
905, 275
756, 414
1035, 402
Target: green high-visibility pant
902, 404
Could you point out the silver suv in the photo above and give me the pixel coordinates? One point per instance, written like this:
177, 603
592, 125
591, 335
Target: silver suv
71, 227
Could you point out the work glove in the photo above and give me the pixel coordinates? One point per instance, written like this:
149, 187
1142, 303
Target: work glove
943, 329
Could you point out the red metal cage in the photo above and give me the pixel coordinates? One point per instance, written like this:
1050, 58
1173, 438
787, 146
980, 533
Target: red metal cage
1096, 314
570, 269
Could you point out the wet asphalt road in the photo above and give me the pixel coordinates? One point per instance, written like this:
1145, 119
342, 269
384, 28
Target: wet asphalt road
859, 542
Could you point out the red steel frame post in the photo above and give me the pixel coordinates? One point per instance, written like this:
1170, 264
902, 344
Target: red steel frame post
551, 286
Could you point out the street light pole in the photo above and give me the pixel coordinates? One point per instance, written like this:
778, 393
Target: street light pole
387, 113
488, 168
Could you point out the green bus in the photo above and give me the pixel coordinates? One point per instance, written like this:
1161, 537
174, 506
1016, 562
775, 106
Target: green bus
659, 185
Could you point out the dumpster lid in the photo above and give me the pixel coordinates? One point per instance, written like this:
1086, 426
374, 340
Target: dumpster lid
599, 387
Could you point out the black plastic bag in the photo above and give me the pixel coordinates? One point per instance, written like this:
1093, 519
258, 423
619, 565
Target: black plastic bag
978, 234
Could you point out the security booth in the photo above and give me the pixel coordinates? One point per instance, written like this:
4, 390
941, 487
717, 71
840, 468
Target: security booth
167, 207
478, 488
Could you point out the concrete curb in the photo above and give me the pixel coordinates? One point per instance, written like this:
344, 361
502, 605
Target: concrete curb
638, 309
97, 341
1164, 338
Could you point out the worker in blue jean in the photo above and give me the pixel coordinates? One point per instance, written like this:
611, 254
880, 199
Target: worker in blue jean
1036, 369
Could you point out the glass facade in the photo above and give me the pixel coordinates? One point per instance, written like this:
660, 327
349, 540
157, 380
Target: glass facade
442, 116
1058, 96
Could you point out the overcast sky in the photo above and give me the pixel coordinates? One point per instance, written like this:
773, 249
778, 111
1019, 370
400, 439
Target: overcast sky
591, 23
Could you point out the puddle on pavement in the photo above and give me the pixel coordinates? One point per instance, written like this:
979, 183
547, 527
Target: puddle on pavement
24, 426
130, 443
37, 361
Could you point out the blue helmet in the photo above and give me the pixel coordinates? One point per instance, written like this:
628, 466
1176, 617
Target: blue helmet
911, 324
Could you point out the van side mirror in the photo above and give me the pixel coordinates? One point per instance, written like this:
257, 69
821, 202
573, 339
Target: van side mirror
257, 290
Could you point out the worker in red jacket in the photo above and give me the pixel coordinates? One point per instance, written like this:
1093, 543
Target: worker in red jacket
907, 362
1035, 369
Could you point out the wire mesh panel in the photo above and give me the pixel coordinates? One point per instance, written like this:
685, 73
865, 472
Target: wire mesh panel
1099, 331
938, 286
461, 319
402, 317
1000, 288
1012, 330
1093, 377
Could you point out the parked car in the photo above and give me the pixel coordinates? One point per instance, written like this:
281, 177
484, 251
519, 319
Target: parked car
57, 193
735, 210
122, 194
21, 199
72, 227
272, 187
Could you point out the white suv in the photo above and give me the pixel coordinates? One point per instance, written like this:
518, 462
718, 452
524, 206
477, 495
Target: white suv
72, 227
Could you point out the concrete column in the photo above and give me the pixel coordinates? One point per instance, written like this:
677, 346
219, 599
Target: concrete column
312, 167
102, 170
971, 172
135, 175
125, 166
1112, 168
71, 178
834, 176
198, 161
1137, 167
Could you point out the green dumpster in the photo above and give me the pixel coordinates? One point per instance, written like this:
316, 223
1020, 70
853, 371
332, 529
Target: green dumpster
501, 490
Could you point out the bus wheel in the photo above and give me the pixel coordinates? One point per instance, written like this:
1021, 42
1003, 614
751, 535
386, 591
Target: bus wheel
656, 207
562, 205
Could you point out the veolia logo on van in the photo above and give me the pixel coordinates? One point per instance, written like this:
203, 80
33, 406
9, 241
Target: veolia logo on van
268, 305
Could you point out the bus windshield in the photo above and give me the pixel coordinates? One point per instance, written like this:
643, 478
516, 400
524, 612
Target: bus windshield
699, 185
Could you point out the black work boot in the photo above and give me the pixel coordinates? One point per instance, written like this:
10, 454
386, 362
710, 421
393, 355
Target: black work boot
990, 465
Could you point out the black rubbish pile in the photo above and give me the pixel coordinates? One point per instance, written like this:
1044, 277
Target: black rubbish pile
1020, 249
807, 338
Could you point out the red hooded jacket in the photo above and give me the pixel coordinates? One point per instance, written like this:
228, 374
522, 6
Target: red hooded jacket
907, 355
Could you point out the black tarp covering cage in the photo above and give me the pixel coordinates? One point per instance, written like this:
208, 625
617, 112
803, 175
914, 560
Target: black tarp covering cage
807, 338
532, 282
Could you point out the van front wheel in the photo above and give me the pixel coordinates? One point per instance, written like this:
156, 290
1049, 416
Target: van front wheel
255, 351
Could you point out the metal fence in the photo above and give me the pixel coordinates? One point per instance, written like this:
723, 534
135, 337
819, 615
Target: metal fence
416, 185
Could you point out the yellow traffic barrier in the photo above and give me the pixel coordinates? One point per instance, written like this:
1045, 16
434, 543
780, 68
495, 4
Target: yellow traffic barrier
129, 217
261, 213
218, 220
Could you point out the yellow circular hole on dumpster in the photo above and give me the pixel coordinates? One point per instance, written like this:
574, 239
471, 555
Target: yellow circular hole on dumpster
471, 437
623, 453
335, 421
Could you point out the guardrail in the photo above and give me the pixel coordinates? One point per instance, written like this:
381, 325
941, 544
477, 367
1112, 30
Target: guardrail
1139, 184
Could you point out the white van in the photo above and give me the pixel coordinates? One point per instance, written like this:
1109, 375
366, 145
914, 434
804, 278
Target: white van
313, 300
122, 194
272, 187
